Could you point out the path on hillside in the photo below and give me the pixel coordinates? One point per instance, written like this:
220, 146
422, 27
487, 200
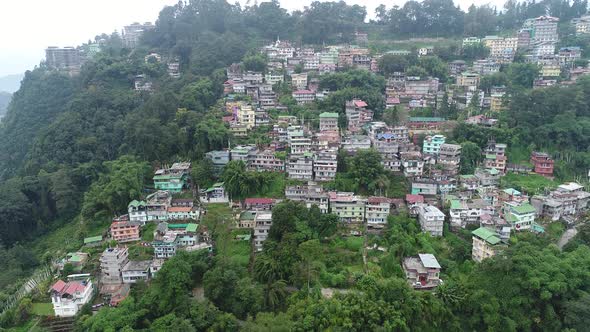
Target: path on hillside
566, 237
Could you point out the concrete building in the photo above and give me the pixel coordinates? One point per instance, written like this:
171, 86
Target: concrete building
214, 194
219, 159
68, 298
133, 32
432, 144
328, 121
325, 165
136, 270
112, 262
468, 79
304, 96
300, 167
125, 231
486, 243
377, 211
347, 206
262, 224
431, 220
266, 161
422, 272
520, 216
486, 66
310, 194
412, 163
544, 29
543, 163
66, 58
299, 81
354, 143
173, 179
357, 115
495, 156
242, 152
501, 48
449, 157
470, 41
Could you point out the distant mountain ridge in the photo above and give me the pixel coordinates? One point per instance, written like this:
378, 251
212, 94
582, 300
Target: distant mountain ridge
11, 83
4, 101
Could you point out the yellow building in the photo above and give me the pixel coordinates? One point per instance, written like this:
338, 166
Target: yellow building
497, 102
246, 116
485, 244
550, 71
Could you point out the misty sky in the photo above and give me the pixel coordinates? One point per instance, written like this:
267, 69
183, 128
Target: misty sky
29, 26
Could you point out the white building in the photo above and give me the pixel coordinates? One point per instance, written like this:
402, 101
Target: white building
136, 270
112, 262
68, 298
431, 220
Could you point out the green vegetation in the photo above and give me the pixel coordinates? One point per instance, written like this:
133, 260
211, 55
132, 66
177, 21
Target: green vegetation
528, 183
42, 309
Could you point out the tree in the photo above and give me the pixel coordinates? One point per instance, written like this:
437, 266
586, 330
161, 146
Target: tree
237, 181
389, 64
470, 157
255, 63
365, 167
202, 173
309, 252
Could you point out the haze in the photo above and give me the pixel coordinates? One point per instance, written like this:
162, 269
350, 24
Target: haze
30, 26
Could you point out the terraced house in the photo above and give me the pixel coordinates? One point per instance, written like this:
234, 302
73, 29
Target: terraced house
173, 179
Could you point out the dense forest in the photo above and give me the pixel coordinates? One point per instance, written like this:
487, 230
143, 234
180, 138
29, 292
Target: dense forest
75, 150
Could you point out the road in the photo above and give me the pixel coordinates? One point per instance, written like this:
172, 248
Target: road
566, 237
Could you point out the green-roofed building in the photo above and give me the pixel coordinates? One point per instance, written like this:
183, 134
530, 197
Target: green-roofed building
328, 122
173, 179
93, 241
486, 243
192, 228
520, 216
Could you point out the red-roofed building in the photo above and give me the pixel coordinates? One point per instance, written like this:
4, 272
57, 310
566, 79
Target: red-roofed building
414, 199
183, 212
392, 102
259, 203
304, 96
68, 298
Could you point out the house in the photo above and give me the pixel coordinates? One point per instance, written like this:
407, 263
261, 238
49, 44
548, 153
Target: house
328, 121
426, 123
299, 81
520, 216
432, 144
262, 224
311, 194
543, 163
412, 163
468, 79
449, 157
422, 272
377, 211
325, 165
214, 194
137, 211
93, 241
183, 213
125, 231
136, 270
347, 206
173, 179
112, 262
568, 201
357, 114
265, 160
487, 177
464, 212
242, 152
486, 243
431, 220
259, 204
304, 96
75, 259
424, 187
495, 156
68, 298
353, 143
300, 167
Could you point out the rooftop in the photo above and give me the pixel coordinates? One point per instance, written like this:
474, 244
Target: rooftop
486, 235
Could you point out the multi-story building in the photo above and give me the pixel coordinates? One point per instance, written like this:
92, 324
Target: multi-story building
266, 160
300, 167
242, 152
424, 187
125, 231
497, 102
112, 262
311, 194
298, 142
304, 96
449, 157
568, 55
417, 88
135, 271
68, 298
422, 272
412, 163
357, 114
431, 220
487, 177
173, 179
469, 41
495, 156
246, 115
66, 58
543, 163
457, 67
501, 48
432, 144
214, 194
468, 79
325, 165
567, 202
299, 81
377, 211
486, 66
467, 212
132, 33
520, 216
347, 206
259, 204
262, 224
328, 121
544, 29
582, 25
219, 159
486, 243
354, 143
550, 70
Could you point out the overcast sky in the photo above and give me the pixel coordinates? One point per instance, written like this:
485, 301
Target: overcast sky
29, 26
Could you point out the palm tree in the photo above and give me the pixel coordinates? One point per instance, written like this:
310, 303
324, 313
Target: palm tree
275, 294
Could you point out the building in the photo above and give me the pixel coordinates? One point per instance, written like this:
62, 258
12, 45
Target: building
495, 156
412, 163
176, 212
567, 202
173, 179
449, 157
214, 194
544, 29
347, 206
464, 212
432, 144
457, 67
311, 194
354, 143
265, 161
304, 96
377, 211
520, 216
486, 66
543, 163
246, 115
262, 224
582, 25
125, 231
68, 298
112, 262
219, 159
470, 41
486, 243
259, 204
431, 220
328, 121
300, 167
299, 81
132, 33
325, 165
242, 152
468, 79
488, 177
136, 270
422, 272
501, 48
424, 187
357, 114
66, 58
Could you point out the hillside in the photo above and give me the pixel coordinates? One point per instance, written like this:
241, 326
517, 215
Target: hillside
416, 157
4, 101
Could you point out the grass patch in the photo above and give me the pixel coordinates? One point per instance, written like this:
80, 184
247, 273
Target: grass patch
528, 183
219, 220
147, 233
140, 253
42, 309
